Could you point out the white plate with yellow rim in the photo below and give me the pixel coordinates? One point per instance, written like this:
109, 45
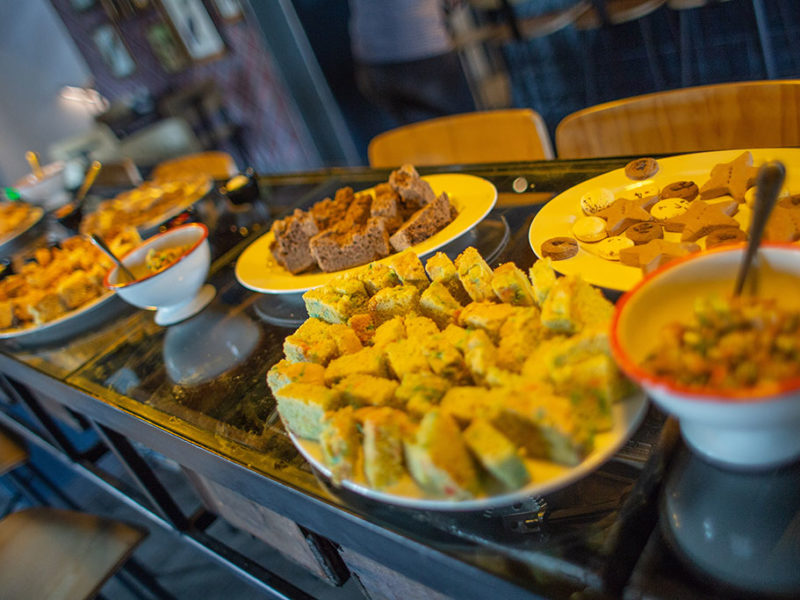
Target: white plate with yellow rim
557, 216
546, 476
473, 198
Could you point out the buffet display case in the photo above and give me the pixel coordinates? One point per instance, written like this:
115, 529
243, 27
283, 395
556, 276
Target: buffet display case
196, 392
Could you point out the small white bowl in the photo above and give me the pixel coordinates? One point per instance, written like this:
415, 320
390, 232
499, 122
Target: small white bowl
747, 429
177, 292
48, 192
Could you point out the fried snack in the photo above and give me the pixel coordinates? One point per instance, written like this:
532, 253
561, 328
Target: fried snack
12, 215
58, 280
526, 373
146, 203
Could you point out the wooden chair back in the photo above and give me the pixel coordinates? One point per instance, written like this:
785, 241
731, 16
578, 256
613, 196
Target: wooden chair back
756, 114
61, 555
469, 138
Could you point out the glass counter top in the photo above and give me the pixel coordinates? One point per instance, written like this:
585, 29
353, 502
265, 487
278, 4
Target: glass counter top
204, 380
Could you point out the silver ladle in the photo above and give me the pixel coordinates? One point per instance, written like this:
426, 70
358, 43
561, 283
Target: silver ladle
100, 243
768, 185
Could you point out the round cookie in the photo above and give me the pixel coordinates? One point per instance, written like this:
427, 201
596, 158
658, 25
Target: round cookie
560, 248
610, 247
589, 229
687, 190
641, 168
640, 190
726, 235
668, 208
596, 200
641, 233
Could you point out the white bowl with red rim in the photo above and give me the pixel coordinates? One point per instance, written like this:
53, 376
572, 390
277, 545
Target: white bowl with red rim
757, 428
177, 292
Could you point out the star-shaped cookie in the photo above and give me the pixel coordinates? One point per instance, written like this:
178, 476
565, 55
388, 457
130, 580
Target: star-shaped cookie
623, 213
783, 225
655, 253
731, 178
702, 218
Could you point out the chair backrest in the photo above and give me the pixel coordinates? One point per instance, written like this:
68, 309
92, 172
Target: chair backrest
759, 114
477, 137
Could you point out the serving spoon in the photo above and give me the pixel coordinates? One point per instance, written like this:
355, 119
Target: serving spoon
100, 243
768, 185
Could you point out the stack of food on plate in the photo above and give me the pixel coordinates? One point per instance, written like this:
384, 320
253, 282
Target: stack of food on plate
58, 280
145, 204
464, 379
354, 229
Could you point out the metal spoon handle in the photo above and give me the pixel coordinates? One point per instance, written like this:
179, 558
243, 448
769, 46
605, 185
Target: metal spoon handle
100, 243
768, 185
88, 180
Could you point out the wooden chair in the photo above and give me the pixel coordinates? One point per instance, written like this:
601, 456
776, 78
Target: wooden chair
469, 138
55, 554
714, 117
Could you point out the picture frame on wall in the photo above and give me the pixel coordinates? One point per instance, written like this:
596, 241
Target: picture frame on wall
113, 50
81, 5
195, 29
229, 10
167, 49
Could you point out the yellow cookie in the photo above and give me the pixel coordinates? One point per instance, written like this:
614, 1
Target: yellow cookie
596, 200
668, 208
589, 229
610, 247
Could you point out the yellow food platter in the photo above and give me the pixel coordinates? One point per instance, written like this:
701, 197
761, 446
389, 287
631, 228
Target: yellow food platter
555, 219
472, 196
33, 217
546, 476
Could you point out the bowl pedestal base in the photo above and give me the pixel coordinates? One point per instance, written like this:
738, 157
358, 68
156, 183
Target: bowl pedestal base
169, 315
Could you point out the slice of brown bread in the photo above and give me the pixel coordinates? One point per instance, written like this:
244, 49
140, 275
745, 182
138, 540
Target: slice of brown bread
292, 236
387, 205
335, 250
359, 210
423, 223
328, 212
413, 190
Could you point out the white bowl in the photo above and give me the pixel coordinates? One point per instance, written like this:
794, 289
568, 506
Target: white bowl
177, 292
47, 192
730, 427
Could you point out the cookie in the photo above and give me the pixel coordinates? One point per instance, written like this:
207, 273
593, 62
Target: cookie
596, 200
640, 190
641, 233
610, 247
668, 208
622, 214
789, 201
641, 168
783, 225
589, 229
687, 190
701, 219
726, 235
732, 178
560, 248
655, 253
785, 198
